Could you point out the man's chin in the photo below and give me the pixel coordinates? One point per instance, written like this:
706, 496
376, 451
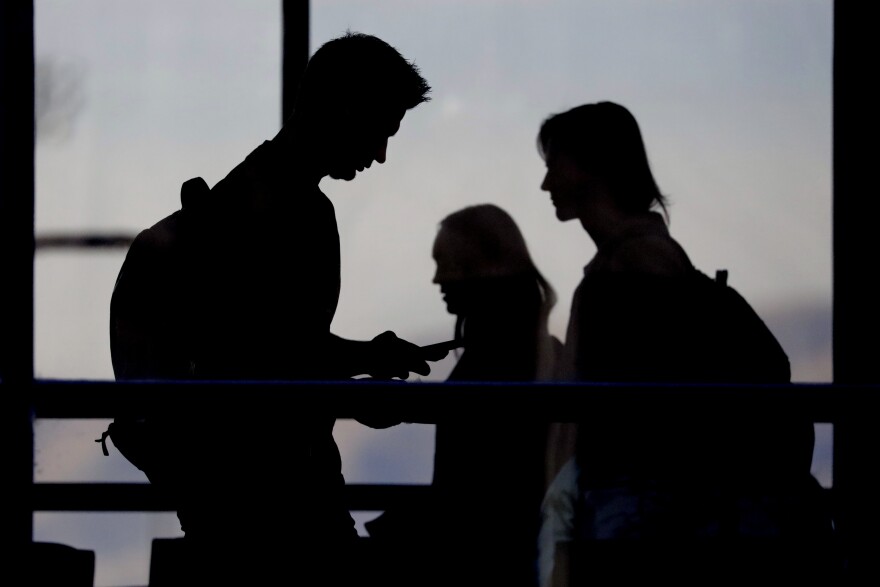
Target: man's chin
344, 175
564, 215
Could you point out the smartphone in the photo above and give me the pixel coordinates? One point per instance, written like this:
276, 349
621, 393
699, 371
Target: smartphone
435, 352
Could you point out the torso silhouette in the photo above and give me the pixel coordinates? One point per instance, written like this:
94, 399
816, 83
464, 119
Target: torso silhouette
240, 284
643, 313
488, 473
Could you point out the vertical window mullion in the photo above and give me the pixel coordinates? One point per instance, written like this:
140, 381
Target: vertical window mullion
294, 50
16, 263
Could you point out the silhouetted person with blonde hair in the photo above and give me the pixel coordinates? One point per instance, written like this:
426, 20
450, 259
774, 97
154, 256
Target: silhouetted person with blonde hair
481, 523
500, 299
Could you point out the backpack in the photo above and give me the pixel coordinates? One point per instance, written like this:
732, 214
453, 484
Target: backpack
149, 442
690, 328
133, 439
739, 347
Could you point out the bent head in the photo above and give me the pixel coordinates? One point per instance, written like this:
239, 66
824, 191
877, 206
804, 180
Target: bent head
352, 97
596, 147
360, 140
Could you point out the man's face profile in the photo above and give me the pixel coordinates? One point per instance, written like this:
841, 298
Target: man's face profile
362, 138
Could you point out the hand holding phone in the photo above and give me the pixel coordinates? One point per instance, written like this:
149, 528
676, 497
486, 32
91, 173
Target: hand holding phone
437, 351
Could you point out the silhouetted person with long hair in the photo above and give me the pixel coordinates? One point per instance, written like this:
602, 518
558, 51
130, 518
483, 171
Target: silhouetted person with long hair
644, 313
482, 520
242, 283
500, 299
488, 475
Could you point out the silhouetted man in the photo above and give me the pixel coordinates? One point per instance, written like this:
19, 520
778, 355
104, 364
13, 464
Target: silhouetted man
242, 283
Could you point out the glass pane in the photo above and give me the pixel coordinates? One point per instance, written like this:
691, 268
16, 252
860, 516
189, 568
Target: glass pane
133, 98
734, 100
402, 454
72, 290
65, 451
121, 542
136, 97
823, 453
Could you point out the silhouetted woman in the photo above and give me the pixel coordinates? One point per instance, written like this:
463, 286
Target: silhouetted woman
488, 480
499, 297
644, 313
489, 474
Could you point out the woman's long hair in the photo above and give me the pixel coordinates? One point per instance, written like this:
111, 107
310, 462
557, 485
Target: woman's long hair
498, 256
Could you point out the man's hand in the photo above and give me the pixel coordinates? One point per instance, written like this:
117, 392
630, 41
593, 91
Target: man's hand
392, 357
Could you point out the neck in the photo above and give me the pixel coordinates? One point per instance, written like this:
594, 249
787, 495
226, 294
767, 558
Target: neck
601, 217
300, 157
618, 225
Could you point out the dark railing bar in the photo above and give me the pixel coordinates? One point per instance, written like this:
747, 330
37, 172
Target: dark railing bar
143, 497
428, 402
83, 241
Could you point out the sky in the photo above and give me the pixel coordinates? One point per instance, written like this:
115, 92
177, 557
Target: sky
733, 98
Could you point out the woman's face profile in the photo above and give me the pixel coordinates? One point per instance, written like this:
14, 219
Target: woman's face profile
450, 274
469, 266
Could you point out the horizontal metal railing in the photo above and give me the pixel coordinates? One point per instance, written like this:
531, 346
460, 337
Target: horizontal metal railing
430, 401
142, 497
406, 402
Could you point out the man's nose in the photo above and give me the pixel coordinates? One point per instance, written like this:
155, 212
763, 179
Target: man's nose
545, 185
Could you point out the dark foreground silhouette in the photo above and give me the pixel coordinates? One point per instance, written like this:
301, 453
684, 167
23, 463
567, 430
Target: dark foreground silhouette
671, 487
242, 283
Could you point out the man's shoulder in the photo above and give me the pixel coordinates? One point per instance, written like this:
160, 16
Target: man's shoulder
652, 254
